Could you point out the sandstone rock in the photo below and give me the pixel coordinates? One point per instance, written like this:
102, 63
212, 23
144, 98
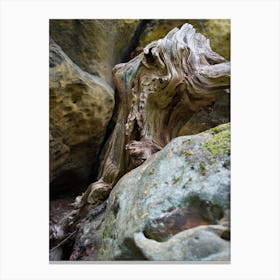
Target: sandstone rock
179, 198
94, 45
215, 114
218, 31
158, 28
81, 106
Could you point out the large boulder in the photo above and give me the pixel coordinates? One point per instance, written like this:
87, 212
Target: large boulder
94, 45
81, 106
175, 206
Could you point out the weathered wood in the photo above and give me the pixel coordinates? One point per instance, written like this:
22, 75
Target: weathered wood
159, 91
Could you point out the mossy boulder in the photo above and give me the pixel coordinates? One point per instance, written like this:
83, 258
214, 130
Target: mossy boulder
219, 144
177, 198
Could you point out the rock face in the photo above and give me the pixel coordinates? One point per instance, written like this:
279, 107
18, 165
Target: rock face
81, 106
202, 243
215, 114
175, 206
94, 45
218, 31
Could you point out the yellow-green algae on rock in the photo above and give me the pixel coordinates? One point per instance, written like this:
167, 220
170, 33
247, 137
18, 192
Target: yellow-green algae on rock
167, 199
220, 141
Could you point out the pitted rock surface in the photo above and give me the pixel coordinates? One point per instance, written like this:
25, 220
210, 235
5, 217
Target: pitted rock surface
81, 106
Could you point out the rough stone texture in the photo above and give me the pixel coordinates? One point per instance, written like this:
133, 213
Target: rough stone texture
89, 236
202, 243
94, 45
81, 106
218, 31
215, 114
179, 198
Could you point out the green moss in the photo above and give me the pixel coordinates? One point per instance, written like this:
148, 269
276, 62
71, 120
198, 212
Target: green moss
188, 141
220, 140
175, 180
107, 233
220, 128
187, 183
202, 168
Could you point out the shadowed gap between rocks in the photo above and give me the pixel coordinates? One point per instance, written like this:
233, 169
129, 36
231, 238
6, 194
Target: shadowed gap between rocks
126, 56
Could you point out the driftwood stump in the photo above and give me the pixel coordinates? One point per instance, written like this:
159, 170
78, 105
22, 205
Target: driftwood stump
159, 91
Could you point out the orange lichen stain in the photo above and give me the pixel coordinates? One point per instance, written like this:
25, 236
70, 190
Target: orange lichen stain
188, 153
170, 154
151, 171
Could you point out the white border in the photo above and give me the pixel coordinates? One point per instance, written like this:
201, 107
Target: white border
24, 138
